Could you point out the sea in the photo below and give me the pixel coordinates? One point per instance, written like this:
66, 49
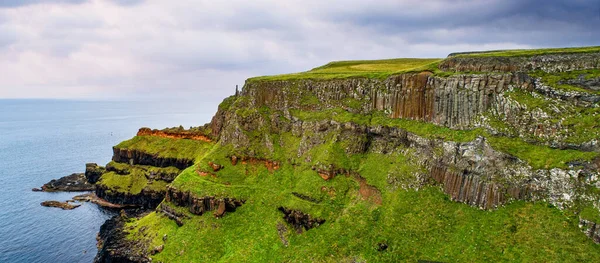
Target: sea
41, 140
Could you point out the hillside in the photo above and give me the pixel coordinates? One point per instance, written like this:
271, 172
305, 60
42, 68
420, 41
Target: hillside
479, 157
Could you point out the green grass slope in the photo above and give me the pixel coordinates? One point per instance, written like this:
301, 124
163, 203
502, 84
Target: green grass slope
415, 225
357, 68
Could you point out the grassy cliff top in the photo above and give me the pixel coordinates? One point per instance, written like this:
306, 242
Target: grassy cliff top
166, 147
358, 68
385, 67
526, 52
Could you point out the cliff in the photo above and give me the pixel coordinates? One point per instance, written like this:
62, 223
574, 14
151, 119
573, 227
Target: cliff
489, 156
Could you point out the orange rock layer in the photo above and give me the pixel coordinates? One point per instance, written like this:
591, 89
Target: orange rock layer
173, 135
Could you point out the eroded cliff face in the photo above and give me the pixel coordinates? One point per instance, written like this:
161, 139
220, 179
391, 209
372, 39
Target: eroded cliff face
549, 63
453, 139
471, 172
134, 157
454, 102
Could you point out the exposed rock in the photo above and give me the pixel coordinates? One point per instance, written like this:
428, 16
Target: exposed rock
157, 249
138, 157
381, 247
91, 197
281, 230
591, 229
216, 167
72, 183
113, 245
171, 214
306, 197
93, 172
299, 220
557, 62
201, 205
62, 205
147, 199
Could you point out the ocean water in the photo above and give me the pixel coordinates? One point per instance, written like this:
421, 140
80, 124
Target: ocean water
42, 140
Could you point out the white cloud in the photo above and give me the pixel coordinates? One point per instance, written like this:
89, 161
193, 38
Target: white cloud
202, 49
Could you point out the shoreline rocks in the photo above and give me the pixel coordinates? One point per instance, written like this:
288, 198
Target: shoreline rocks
76, 182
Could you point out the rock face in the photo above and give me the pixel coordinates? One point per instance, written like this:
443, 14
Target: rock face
113, 246
200, 205
299, 220
470, 172
138, 157
591, 229
93, 172
77, 182
548, 63
453, 102
147, 199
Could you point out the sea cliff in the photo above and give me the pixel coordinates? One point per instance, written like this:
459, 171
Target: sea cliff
480, 156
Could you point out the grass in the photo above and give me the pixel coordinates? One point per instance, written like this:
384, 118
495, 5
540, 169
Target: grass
538, 156
132, 183
166, 147
355, 69
582, 124
416, 225
527, 52
557, 79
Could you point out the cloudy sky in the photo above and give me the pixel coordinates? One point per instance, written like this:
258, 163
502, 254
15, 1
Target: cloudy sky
136, 49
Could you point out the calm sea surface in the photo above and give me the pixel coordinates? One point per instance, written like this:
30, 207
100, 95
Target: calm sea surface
42, 140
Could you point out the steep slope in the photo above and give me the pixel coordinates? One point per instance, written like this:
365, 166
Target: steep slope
371, 161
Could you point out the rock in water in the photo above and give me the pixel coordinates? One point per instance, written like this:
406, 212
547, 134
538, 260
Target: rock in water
62, 205
76, 182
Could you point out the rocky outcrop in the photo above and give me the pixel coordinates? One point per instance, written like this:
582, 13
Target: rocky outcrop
113, 245
134, 157
471, 189
151, 174
174, 134
591, 229
557, 62
171, 213
591, 84
200, 205
299, 220
58, 204
76, 182
93, 172
455, 101
146, 199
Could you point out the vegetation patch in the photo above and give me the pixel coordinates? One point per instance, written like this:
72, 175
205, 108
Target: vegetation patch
560, 80
379, 69
166, 147
527, 52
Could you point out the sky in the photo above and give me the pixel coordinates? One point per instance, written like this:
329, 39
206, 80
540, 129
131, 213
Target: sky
196, 49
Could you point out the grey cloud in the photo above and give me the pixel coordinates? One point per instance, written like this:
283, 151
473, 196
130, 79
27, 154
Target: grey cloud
127, 2
17, 3
534, 22
139, 48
